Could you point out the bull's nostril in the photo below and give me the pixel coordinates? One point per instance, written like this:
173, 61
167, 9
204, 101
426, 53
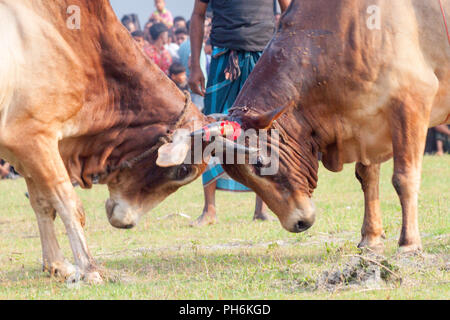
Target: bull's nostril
129, 226
301, 225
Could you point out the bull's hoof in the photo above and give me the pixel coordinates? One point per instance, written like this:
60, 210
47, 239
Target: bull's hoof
74, 278
410, 249
61, 269
263, 216
93, 278
372, 245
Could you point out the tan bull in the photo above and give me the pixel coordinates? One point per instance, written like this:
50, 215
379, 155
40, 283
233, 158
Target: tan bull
80, 102
362, 94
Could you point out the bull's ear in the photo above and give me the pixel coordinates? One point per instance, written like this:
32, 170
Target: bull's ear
264, 121
174, 153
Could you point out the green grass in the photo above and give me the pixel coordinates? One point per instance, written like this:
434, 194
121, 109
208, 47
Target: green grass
163, 258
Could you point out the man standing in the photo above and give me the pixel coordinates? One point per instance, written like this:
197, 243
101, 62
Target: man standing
240, 31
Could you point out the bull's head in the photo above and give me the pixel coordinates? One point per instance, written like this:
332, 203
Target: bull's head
293, 207
136, 187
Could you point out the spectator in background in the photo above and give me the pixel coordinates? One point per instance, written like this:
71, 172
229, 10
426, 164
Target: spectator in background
181, 35
240, 31
138, 36
6, 171
156, 50
185, 55
131, 22
438, 140
177, 72
161, 14
173, 47
277, 19
179, 23
208, 52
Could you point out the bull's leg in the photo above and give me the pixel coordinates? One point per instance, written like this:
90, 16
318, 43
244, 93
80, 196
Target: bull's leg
52, 257
409, 128
208, 216
71, 212
51, 178
261, 211
372, 229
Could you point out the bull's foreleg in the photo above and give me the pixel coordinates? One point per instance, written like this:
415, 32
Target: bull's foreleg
71, 212
372, 229
52, 258
50, 176
409, 123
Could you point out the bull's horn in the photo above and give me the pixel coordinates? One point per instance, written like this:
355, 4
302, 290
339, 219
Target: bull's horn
222, 128
264, 121
218, 116
229, 145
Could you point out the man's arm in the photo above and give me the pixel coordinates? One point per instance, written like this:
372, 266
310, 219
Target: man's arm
284, 4
197, 29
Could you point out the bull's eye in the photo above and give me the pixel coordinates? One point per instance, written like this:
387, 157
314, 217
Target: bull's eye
182, 172
262, 162
259, 163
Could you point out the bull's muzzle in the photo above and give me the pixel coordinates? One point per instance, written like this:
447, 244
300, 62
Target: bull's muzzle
120, 216
301, 218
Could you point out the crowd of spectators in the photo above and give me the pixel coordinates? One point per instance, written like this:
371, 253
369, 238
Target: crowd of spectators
165, 40
438, 140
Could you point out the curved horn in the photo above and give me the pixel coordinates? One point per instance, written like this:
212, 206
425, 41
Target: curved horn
229, 145
218, 116
264, 121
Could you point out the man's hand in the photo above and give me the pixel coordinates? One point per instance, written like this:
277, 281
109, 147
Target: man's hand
157, 18
197, 30
443, 129
197, 81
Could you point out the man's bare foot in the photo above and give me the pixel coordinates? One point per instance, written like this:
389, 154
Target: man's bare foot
207, 218
262, 216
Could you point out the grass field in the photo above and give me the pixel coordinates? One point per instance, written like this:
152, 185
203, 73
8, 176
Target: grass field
163, 258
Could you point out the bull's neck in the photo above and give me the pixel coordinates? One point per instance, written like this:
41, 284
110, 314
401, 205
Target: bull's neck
280, 80
130, 104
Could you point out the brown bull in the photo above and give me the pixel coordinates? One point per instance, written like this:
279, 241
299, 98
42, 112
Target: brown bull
362, 94
366, 78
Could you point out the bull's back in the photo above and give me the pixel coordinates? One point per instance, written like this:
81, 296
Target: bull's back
40, 73
436, 50
409, 52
